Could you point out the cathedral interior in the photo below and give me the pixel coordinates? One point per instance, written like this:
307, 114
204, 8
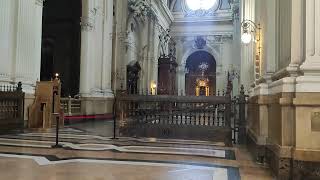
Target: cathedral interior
160, 89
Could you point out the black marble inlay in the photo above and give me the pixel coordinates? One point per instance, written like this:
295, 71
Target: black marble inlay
233, 172
229, 154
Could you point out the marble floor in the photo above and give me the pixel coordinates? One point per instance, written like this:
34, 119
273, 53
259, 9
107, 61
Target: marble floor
85, 156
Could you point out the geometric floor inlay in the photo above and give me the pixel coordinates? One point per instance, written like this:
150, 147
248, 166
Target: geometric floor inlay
177, 170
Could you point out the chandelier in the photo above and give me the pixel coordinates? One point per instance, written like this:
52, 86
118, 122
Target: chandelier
203, 81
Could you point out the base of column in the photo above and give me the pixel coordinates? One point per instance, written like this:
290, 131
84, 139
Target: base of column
256, 146
305, 170
98, 93
311, 67
308, 84
96, 105
28, 88
280, 166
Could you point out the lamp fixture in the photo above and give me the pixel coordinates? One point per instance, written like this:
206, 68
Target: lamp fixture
252, 32
154, 86
249, 29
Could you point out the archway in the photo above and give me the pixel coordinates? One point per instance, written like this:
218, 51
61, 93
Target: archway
201, 74
61, 46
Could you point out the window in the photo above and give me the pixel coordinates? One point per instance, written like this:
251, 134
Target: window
200, 4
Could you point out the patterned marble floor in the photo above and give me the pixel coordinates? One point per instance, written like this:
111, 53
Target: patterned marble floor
29, 155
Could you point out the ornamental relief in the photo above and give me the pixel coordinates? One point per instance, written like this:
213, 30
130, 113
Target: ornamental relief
202, 41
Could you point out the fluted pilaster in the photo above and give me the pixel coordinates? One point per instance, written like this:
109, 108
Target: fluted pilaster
107, 48
311, 65
7, 17
310, 81
87, 48
28, 44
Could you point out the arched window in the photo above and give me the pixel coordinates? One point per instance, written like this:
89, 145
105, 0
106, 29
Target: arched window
200, 4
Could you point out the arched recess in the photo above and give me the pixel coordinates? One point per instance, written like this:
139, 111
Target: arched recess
61, 27
133, 75
192, 50
200, 78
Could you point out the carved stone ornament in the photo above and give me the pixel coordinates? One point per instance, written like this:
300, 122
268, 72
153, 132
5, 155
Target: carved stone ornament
140, 8
200, 42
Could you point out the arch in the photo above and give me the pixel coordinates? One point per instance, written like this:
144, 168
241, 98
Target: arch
201, 76
192, 50
133, 76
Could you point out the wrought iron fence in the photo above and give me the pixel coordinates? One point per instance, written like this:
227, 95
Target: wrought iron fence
214, 118
184, 117
11, 107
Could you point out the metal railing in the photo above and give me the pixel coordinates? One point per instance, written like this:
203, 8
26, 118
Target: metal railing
11, 107
183, 117
71, 106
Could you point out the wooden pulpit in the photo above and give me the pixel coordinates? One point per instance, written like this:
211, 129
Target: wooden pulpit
46, 107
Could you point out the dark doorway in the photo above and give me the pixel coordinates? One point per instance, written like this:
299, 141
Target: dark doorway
133, 71
61, 43
201, 75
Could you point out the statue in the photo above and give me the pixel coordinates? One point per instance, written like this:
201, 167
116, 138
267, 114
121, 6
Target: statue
164, 38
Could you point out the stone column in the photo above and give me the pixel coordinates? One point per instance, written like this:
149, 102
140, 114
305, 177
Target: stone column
247, 51
156, 55
7, 36
151, 47
269, 31
118, 64
297, 36
181, 78
311, 67
87, 48
28, 44
145, 34
107, 48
